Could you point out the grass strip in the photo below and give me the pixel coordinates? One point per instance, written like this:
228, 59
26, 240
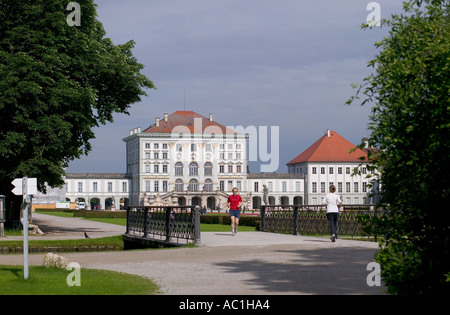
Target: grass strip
113, 241
53, 281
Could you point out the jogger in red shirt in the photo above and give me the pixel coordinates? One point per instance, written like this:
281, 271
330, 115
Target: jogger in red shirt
234, 203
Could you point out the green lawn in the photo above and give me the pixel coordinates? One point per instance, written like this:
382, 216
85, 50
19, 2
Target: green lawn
52, 281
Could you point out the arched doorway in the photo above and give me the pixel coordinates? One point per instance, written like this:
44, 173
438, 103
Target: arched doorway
272, 200
108, 203
95, 204
211, 203
284, 201
298, 201
181, 201
256, 202
124, 203
196, 201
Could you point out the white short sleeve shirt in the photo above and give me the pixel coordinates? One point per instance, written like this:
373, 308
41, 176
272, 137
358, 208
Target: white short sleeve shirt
332, 200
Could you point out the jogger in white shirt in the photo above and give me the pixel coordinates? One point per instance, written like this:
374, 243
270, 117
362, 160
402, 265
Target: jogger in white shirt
333, 202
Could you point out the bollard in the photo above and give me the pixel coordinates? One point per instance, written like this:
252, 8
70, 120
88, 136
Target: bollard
197, 232
262, 214
296, 220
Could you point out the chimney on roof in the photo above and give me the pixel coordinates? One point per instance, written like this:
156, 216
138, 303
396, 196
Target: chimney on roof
131, 132
328, 133
138, 129
166, 117
157, 121
210, 117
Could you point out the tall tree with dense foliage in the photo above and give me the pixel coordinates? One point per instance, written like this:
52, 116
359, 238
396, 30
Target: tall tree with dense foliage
410, 122
59, 77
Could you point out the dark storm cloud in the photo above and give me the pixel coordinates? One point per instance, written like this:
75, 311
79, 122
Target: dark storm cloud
286, 63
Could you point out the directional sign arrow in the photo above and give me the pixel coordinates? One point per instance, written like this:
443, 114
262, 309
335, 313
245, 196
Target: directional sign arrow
31, 186
18, 186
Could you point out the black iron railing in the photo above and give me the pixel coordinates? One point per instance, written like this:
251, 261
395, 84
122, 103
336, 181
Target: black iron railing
166, 224
312, 219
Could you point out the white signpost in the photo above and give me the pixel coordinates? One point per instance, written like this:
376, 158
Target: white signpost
25, 187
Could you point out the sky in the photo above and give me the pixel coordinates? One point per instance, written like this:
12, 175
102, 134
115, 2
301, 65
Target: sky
276, 63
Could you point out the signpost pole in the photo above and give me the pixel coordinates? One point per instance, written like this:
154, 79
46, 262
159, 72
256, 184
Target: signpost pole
25, 228
25, 187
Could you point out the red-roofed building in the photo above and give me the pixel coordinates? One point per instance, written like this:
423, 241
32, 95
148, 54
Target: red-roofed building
189, 159
331, 147
331, 160
188, 122
187, 156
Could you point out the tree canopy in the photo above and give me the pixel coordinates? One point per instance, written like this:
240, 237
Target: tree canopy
410, 124
57, 82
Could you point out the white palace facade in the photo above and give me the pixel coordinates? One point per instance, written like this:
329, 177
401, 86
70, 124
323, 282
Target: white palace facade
188, 159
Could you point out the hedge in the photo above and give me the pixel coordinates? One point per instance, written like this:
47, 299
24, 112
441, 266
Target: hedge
244, 220
100, 214
54, 210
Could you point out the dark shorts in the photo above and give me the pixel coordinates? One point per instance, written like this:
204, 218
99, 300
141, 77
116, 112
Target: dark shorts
235, 213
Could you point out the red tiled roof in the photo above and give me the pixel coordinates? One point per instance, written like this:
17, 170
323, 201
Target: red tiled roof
188, 121
331, 147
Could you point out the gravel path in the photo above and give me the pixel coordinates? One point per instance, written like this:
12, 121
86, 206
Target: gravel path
250, 263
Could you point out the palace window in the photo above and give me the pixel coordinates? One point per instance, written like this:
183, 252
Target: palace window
179, 185
193, 168
208, 168
208, 185
179, 168
193, 185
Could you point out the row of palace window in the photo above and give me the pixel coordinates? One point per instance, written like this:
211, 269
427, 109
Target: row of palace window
339, 170
194, 146
284, 186
165, 155
95, 187
192, 186
339, 187
193, 168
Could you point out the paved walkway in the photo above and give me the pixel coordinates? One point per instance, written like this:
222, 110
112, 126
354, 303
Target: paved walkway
59, 228
249, 263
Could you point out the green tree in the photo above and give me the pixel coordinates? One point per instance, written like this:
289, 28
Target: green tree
57, 82
410, 123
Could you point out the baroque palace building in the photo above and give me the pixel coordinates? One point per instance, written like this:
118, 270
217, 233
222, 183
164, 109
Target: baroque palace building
188, 159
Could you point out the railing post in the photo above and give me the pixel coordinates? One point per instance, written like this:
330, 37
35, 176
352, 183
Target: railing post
263, 218
197, 233
167, 211
295, 220
145, 222
128, 221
